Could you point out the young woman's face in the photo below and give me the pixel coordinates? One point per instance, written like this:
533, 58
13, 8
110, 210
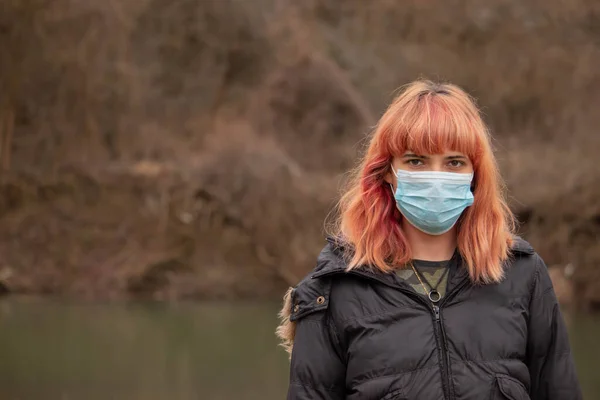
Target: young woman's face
450, 161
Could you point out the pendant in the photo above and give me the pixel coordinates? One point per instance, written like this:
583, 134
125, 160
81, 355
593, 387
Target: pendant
434, 296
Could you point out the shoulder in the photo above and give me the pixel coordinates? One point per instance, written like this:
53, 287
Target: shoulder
524, 263
521, 247
313, 292
523, 253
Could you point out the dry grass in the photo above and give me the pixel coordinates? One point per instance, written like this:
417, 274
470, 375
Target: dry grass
193, 148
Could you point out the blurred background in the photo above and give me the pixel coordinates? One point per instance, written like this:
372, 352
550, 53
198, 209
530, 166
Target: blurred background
166, 167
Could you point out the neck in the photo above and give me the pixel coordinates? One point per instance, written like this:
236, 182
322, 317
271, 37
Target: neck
430, 247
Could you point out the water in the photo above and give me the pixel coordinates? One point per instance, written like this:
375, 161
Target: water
53, 350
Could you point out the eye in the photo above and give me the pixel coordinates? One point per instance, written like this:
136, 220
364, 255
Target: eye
415, 162
457, 163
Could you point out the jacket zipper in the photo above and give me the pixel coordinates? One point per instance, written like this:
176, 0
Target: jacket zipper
445, 354
443, 349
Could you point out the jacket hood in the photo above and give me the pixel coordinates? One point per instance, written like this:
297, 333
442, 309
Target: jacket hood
333, 258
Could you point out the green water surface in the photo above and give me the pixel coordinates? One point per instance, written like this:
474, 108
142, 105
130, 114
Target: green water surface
52, 350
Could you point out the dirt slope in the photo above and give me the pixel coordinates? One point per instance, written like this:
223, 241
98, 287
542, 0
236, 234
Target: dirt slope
194, 148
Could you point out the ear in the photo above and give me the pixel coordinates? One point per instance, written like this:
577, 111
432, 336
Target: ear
390, 182
390, 178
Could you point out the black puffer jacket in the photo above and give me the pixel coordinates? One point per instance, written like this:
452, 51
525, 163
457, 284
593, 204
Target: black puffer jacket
367, 335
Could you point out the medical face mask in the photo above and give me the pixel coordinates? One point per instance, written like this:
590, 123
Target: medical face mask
432, 201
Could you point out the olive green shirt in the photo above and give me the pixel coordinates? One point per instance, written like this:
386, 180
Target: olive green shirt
430, 272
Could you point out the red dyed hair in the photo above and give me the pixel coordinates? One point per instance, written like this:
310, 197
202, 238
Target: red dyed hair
427, 118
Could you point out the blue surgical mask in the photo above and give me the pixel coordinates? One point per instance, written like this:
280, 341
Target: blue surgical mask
432, 201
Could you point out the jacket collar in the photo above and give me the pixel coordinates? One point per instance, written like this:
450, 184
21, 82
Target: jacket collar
521, 246
334, 259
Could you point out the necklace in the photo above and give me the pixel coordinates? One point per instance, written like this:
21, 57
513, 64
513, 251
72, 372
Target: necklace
432, 293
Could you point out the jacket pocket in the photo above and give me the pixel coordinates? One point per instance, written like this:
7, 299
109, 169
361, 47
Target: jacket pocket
507, 387
395, 395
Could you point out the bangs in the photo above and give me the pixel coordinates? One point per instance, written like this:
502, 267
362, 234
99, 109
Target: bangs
434, 124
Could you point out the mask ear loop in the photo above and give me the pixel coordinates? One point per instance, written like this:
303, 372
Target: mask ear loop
394, 196
396, 175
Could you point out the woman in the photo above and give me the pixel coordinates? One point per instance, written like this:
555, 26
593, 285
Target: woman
423, 292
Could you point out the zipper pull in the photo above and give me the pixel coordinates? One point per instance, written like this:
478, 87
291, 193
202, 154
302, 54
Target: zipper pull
436, 312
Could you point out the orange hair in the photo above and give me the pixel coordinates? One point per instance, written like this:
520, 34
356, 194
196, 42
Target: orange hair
427, 118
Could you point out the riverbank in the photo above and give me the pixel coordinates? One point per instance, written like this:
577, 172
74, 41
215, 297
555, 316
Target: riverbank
146, 232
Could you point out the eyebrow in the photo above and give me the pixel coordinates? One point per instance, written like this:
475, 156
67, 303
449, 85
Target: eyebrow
413, 155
